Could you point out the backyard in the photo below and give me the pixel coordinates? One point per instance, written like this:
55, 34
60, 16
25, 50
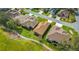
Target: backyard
7, 44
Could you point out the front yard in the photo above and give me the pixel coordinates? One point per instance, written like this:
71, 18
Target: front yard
70, 19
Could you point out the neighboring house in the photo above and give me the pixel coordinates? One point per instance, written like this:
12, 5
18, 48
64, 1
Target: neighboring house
26, 21
14, 12
64, 14
41, 29
58, 35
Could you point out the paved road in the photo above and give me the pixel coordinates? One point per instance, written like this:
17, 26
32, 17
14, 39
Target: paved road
73, 25
49, 49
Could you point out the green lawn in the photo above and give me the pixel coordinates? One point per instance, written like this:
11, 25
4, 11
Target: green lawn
68, 30
7, 44
29, 34
41, 19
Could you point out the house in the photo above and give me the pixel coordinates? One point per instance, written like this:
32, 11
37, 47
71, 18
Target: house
64, 13
41, 29
26, 21
58, 35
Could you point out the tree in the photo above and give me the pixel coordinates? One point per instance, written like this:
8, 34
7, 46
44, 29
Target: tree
22, 12
3, 18
11, 24
8, 22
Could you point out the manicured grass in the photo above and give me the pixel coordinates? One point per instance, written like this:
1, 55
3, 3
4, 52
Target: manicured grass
41, 19
68, 30
7, 44
29, 34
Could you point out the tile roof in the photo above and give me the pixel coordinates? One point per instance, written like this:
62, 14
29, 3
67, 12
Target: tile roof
41, 28
58, 34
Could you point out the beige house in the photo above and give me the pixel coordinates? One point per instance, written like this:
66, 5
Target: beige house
57, 34
41, 29
26, 21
